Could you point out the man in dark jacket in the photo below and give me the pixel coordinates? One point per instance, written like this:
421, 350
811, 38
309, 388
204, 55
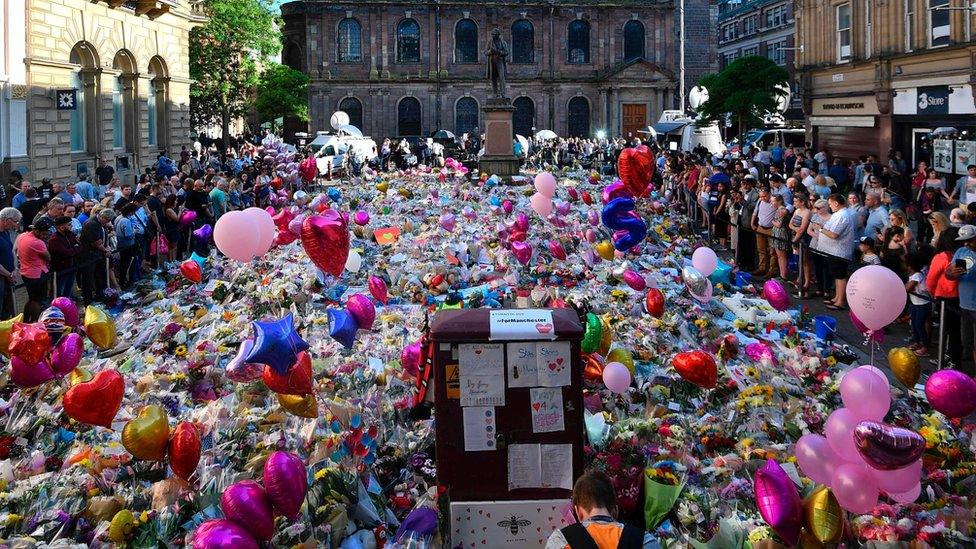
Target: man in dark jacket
65, 249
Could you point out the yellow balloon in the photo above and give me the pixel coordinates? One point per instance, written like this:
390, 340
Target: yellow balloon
6, 327
147, 436
606, 336
122, 526
79, 375
622, 356
605, 250
807, 541
823, 517
100, 327
300, 405
904, 365
382, 186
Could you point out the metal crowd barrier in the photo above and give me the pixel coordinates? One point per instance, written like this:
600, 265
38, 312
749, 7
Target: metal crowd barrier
52, 283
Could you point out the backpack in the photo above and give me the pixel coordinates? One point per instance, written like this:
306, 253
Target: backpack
578, 538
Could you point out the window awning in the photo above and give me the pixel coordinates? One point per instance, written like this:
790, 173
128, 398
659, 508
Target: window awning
668, 127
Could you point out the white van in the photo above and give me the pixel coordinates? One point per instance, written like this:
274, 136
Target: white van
679, 133
766, 138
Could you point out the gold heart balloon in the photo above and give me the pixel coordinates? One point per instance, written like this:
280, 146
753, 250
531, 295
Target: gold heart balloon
382, 186
606, 336
622, 356
904, 365
100, 327
299, 405
605, 250
823, 517
79, 375
6, 327
147, 436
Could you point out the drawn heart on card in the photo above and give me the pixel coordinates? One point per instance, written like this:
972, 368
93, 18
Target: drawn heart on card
477, 351
536, 406
543, 328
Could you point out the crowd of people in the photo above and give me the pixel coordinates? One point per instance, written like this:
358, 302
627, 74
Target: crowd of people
826, 217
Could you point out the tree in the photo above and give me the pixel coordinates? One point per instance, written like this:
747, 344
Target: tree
224, 55
747, 90
282, 91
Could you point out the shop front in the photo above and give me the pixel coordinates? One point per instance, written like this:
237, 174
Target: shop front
846, 126
946, 109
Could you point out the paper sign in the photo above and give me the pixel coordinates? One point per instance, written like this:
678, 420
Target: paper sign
965, 155
479, 428
522, 370
453, 375
505, 524
942, 155
524, 466
480, 390
547, 409
554, 361
508, 324
386, 236
557, 466
481, 359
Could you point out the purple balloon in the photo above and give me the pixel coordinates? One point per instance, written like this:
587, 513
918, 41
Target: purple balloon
951, 392
562, 208
285, 481
27, 375
187, 218
507, 206
240, 370
522, 222
363, 310
361, 218
410, 358
222, 534
593, 217
778, 501
887, 447
67, 354
70, 310
247, 504
448, 222
776, 294
617, 189
204, 233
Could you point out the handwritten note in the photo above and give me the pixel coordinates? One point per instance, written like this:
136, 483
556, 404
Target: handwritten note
481, 359
554, 360
479, 428
481, 390
547, 410
524, 466
522, 365
557, 466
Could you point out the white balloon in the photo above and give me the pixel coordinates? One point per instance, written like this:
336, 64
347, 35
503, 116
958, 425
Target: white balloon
354, 262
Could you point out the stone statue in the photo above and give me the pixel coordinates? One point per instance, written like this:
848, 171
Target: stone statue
497, 54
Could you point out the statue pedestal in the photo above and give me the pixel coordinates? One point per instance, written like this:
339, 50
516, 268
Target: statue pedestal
499, 158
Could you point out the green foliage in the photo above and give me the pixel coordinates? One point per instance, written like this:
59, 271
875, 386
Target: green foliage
224, 56
747, 90
282, 91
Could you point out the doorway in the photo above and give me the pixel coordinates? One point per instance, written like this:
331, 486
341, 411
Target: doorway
634, 119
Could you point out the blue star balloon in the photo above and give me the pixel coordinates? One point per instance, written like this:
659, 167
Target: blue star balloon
335, 195
276, 344
342, 327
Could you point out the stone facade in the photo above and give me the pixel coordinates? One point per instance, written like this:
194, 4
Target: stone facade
119, 56
609, 90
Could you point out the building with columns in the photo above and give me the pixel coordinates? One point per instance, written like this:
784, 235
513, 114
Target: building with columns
404, 68
123, 65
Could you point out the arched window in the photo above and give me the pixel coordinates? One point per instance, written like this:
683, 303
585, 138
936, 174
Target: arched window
466, 42
349, 45
157, 103
118, 116
354, 108
523, 120
84, 134
578, 42
408, 41
292, 56
579, 117
523, 42
465, 115
153, 116
633, 40
409, 117
124, 117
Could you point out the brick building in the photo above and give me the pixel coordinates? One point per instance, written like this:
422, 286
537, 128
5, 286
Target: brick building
124, 63
413, 67
760, 27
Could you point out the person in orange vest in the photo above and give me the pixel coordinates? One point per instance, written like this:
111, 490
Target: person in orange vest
595, 506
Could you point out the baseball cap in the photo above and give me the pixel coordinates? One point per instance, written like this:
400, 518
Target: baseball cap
62, 220
966, 232
43, 224
866, 240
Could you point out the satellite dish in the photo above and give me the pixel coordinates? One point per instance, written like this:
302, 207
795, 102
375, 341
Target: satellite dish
783, 100
339, 118
697, 97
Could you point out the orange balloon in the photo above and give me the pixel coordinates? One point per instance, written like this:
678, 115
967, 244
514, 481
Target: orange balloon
593, 367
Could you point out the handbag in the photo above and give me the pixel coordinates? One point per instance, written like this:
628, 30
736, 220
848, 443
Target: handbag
159, 246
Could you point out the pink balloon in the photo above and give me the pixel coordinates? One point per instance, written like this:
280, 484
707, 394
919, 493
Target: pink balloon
865, 394
361, 218
545, 184
617, 189
899, 480
779, 501
616, 377
448, 222
951, 392
507, 206
635, 281
591, 236
522, 252
816, 458
410, 358
705, 260
222, 534
557, 250
377, 287
840, 434
876, 295
541, 204
265, 229
705, 296
285, 481
908, 497
877, 336
247, 504
26, 375
361, 309
295, 225
235, 235
70, 310
67, 354
562, 208
593, 217
776, 294
522, 222
854, 488
187, 218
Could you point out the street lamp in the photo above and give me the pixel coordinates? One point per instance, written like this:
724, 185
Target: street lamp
600, 134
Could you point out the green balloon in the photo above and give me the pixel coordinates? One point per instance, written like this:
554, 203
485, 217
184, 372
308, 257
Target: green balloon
593, 334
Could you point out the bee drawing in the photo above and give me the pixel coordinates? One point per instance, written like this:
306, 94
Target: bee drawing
515, 524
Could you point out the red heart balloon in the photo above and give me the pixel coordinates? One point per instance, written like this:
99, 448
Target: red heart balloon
184, 450
635, 167
30, 342
587, 199
697, 367
97, 401
191, 270
296, 381
654, 302
326, 241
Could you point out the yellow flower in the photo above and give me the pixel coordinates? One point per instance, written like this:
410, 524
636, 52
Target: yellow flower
13, 518
831, 361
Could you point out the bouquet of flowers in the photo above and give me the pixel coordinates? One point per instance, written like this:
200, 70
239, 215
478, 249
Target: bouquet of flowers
663, 483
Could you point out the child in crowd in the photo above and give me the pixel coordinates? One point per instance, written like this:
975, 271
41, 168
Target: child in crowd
868, 254
920, 303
